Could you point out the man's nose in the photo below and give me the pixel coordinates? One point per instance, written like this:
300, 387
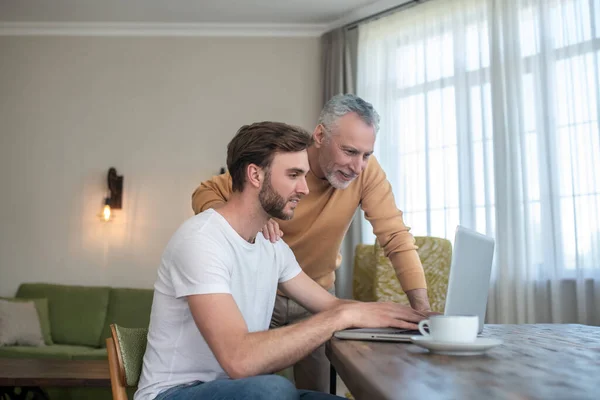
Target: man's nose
357, 165
302, 187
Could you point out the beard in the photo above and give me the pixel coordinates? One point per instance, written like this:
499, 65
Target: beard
336, 182
272, 202
329, 170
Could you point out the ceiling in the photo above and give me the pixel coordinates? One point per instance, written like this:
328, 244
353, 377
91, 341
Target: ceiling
180, 11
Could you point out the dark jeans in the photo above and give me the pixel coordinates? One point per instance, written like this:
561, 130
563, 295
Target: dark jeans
260, 387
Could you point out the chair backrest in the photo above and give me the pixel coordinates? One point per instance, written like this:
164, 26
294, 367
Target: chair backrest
375, 278
125, 348
363, 276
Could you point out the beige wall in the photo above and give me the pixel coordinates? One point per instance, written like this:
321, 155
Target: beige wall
160, 110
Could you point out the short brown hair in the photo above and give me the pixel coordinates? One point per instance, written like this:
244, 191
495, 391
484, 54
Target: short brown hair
258, 143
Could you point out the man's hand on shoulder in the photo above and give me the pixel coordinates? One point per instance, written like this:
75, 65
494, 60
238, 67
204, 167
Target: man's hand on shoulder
271, 231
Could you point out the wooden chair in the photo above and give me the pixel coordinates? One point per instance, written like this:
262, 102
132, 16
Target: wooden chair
125, 348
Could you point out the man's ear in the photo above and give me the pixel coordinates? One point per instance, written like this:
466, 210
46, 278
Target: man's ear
319, 135
254, 175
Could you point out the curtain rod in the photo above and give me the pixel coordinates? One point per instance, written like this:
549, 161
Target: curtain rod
384, 13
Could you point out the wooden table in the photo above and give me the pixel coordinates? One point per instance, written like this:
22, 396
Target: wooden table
31, 374
542, 361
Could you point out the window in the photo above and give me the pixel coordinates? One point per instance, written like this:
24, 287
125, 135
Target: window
438, 146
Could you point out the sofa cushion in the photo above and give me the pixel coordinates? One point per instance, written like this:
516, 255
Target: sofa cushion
41, 305
129, 308
58, 351
20, 324
77, 313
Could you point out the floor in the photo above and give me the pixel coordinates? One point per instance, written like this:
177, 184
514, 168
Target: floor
341, 389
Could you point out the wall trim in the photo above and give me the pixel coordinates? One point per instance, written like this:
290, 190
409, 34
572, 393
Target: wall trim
159, 29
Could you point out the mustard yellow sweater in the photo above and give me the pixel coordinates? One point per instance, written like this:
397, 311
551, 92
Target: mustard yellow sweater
323, 216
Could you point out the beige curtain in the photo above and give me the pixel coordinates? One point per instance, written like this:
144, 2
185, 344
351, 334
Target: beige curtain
339, 62
339, 76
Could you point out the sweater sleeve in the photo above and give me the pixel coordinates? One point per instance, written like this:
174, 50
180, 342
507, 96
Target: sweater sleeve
379, 205
214, 191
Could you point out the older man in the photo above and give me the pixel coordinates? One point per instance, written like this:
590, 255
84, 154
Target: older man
343, 176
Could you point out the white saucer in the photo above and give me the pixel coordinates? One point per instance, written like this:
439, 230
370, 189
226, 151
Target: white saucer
479, 346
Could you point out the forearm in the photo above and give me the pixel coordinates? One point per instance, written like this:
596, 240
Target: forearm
244, 354
275, 349
337, 303
409, 270
412, 278
418, 299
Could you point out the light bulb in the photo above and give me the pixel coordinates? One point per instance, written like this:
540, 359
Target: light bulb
106, 213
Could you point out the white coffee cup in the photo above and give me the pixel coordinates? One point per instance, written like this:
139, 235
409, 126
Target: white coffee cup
451, 328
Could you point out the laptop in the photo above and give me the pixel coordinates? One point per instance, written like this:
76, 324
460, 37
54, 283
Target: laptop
468, 286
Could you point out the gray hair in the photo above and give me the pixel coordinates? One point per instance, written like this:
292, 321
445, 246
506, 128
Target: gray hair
343, 104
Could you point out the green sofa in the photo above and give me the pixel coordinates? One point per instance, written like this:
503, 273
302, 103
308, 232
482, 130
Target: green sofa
79, 318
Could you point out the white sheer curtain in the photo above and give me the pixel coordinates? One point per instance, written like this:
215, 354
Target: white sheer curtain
490, 119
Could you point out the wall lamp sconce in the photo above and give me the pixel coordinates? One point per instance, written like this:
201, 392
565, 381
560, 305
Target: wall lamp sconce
115, 194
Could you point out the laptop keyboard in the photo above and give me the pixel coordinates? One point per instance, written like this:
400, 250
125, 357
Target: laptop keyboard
387, 331
408, 331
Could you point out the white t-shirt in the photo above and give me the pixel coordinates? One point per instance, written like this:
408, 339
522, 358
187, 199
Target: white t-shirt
206, 255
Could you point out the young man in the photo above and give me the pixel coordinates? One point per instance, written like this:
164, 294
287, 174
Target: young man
343, 176
217, 283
